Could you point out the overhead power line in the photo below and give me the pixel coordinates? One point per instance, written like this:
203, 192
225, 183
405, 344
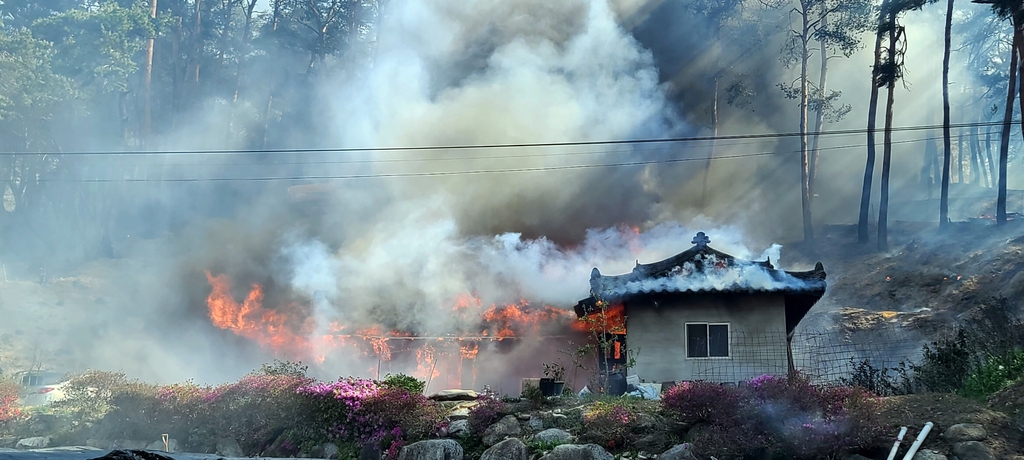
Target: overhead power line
419, 174
505, 146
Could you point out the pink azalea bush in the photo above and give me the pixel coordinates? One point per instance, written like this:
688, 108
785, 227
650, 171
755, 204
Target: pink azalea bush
488, 411
773, 416
276, 411
360, 411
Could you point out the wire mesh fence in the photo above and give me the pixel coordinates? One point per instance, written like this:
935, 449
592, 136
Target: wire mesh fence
832, 355
826, 356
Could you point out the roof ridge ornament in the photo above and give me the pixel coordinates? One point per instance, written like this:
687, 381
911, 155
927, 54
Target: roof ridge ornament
701, 240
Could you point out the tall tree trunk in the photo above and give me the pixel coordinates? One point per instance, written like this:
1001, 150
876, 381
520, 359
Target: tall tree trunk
977, 171
869, 167
805, 159
946, 154
266, 118
714, 127
122, 111
192, 76
177, 90
222, 44
883, 197
244, 49
1018, 38
1004, 144
928, 166
960, 157
819, 116
147, 81
989, 160
276, 16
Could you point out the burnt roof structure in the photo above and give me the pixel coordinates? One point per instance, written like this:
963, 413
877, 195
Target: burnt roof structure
702, 270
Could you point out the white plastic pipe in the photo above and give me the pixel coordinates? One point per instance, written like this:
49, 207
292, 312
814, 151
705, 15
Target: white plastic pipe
917, 442
896, 445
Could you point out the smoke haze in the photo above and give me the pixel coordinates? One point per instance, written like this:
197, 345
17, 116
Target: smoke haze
399, 252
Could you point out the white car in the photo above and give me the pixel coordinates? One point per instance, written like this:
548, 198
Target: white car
39, 388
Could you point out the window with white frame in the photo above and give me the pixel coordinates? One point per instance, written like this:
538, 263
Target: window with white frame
707, 340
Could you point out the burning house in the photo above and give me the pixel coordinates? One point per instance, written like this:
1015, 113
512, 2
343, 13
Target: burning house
704, 315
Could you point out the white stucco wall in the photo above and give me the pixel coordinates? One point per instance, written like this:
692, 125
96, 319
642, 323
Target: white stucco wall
757, 338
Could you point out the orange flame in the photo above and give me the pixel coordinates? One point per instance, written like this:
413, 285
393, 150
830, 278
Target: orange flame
290, 330
516, 320
611, 320
249, 319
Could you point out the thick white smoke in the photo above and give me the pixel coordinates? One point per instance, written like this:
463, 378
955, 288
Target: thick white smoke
412, 273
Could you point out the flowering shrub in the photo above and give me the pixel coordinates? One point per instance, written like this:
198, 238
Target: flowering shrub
692, 402
254, 407
363, 411
487, 412
9, 409
276, 410
776, 417
610, 423
87, 396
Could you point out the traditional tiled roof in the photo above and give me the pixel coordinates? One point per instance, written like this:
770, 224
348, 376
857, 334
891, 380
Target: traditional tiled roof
702, 269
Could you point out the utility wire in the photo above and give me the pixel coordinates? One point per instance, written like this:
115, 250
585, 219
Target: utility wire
509, 157
457, 173
504, 146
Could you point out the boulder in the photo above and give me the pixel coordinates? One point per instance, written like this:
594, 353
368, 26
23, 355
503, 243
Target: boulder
509, 449
972, 450
133, 454
228, 447
172, 446
578, 452
455, 395
433, 449
553, 435
37, 442
369, 451
496, 433
682, 451
962, 432
535, 423
653, 443
459, 414
458, 428
926, 454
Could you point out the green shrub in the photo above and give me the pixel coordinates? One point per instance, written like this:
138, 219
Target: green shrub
946, 363
993, 330
885, 381
406, 382
534, 396
993, 375
286, 368
610, 423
